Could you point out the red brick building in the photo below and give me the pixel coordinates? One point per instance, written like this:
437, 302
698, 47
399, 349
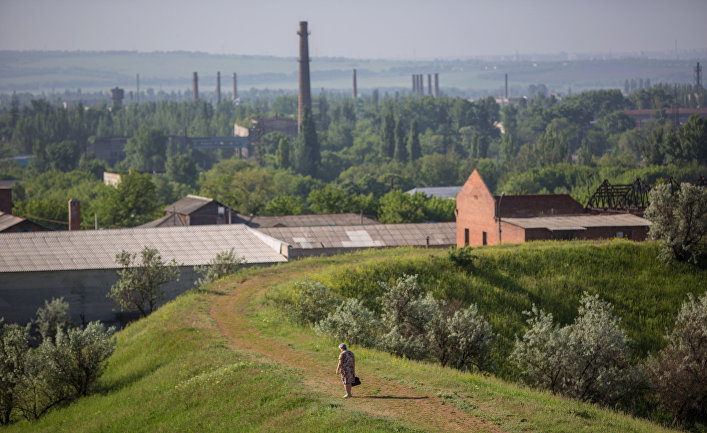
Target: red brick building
485, 219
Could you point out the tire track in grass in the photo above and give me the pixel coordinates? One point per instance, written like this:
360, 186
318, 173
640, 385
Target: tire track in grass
394, 400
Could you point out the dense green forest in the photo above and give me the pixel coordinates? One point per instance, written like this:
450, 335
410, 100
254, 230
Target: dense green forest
357, 155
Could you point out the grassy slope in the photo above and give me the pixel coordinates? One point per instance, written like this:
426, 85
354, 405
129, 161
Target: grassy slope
175, 371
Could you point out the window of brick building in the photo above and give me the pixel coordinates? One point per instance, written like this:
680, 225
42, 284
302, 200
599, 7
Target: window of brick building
483, 238
466, 236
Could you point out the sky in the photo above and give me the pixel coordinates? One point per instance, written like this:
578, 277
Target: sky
396, 29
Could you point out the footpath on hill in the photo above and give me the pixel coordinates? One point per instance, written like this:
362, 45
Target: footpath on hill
407, 405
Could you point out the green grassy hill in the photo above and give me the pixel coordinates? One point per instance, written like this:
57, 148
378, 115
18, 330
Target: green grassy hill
226, 360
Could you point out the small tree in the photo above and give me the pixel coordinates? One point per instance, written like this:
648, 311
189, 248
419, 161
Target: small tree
139, 283
470, 336
352, 322
14, 348
79, 355
679, 371
587, 360
679, 220
313, 302
225, 263
54, 315
406, 311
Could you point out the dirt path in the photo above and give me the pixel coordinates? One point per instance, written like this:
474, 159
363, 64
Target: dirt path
391, 400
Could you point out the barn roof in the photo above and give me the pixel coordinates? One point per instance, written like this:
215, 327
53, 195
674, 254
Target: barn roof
96, 249
535, 205
578, 222
438, 191
188, 204
340, 219
379, 235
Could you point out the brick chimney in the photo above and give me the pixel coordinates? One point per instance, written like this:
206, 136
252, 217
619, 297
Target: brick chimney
74, 214
6, 200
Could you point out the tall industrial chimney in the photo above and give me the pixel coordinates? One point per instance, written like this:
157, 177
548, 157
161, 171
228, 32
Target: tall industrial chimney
195, 87
429, 84
506, 88
414, 83
436, 89
421, 78
235, 89
354, 92
74, 215
218, 87
305, 96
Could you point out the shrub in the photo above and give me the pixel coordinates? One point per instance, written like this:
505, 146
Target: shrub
54, 315
139, 283
679, 220
351, 322
587, 360
461, 256
78, 356
461, 338
406, 311
313, 302
14, 347
679, 371
225, 263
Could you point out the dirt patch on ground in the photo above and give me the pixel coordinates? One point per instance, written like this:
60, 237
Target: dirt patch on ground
391, 400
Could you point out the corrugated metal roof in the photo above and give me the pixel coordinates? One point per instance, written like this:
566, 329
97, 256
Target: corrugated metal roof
188, 204
578, 222
96, 249
8, 220
380, 235
169, 220
532, 205
341, 219
438, 191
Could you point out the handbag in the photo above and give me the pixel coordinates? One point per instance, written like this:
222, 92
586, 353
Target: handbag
356, 381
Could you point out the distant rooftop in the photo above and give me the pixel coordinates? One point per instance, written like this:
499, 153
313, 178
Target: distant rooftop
340, 219
188, 204
536, 205
578, 222
438, 191
379, 235
96, 249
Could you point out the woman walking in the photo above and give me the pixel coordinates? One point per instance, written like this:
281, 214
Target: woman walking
347, 368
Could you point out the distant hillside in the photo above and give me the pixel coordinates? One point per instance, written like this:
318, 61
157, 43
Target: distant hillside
56, 71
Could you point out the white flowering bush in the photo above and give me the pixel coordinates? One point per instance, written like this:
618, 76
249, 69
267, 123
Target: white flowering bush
679, 220
54, 315
406, 311
679, 371
460, 338
352, 322
587, 359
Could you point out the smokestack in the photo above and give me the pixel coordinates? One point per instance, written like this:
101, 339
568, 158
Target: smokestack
506, 87
436, 89
421, 78
414, 83
74, 215
138, 89
354, 92
429, 84
6, 200
235, 89
218, 87
195, 87
305, 96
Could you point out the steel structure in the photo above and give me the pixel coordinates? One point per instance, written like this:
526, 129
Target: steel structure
620, 198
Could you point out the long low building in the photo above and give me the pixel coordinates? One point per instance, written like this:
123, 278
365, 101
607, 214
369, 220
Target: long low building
328, 240
81, 265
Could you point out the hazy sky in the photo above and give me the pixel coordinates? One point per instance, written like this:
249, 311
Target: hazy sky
356, 28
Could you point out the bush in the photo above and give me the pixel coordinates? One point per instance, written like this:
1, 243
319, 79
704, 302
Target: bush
313, 302
14, 347
54, 315
679, 371
679, 220
139, 283
588, 359
406, 311
352, 322
461, 256
78, 356
225, 263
